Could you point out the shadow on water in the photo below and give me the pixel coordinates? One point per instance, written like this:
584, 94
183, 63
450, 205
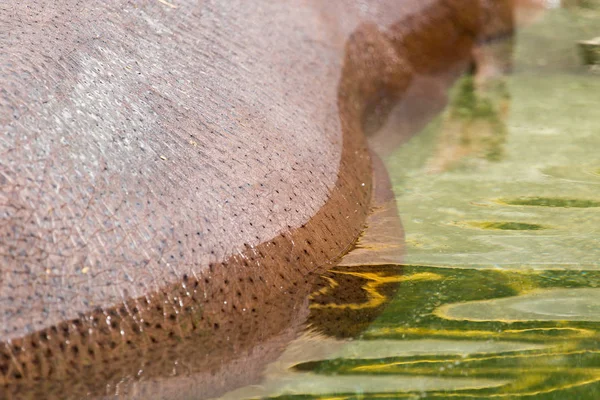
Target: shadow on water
495, 291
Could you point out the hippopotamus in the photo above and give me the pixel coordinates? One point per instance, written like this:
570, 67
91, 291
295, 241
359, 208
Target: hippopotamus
172, 173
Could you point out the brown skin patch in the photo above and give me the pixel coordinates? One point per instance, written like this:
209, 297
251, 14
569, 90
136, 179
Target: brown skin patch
198, 310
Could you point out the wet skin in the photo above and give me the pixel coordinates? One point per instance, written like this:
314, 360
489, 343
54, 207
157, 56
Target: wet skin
172, 178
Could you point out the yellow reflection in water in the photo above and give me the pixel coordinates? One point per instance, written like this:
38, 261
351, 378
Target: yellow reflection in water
374, 281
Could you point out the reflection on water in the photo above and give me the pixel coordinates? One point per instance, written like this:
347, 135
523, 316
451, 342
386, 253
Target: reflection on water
473, 125
545, 305
521, 339
453, 332
496, 290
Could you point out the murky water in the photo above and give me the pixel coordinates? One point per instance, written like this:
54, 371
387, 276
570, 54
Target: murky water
495, 290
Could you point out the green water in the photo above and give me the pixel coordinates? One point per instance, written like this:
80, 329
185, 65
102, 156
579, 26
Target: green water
533, 333
499, 292
538, 206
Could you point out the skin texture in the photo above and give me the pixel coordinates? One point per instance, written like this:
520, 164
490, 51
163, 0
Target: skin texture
172, 179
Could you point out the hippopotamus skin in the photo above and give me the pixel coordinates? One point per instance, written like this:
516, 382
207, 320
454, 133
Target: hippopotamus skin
172, 174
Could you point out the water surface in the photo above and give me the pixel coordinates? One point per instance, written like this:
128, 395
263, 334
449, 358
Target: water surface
495, 290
